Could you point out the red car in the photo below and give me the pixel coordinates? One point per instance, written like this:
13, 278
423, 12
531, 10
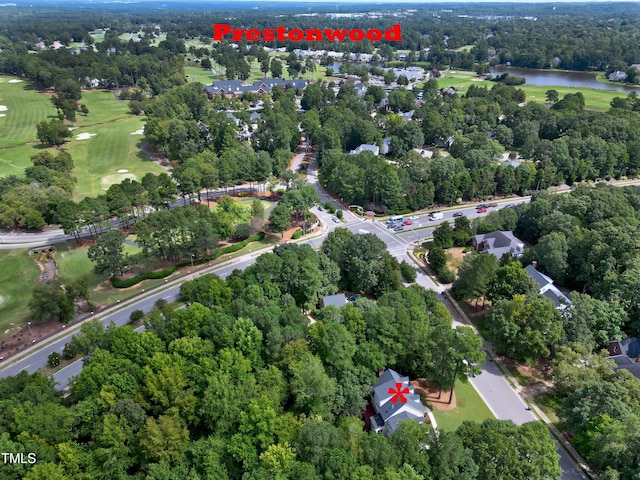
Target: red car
482, 210
407, 222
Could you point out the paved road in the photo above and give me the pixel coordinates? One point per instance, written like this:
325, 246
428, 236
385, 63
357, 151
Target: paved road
491, 385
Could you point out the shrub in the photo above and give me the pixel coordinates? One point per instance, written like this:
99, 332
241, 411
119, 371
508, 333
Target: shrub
339, 214
136, 315
129, 282
242, 194
297, 234
408, 272
54, 359
69, 351
243, 231
445, 275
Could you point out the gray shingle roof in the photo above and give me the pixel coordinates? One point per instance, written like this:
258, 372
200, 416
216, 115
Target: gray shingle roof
338, 300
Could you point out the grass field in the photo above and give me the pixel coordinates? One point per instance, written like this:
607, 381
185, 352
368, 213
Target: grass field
113, 148
594, 99
25, 108
17, 277
469, 407
97, 159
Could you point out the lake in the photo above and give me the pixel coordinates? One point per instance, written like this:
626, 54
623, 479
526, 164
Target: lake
550, 78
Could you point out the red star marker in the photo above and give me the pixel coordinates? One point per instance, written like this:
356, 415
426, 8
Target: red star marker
399, 393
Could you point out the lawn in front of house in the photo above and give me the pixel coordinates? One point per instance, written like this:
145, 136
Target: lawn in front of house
469, 406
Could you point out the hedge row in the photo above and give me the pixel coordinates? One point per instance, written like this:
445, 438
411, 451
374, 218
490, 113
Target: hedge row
117, 283
130, 282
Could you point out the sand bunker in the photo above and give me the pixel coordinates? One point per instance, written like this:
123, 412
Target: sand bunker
123, 170
3, 108
15, 81
109, 180
85, 136
138, 132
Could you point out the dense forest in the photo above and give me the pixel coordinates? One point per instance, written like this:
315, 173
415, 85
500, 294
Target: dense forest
242, 385
586, 241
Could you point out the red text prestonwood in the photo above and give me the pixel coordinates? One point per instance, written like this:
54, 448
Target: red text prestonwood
222, 30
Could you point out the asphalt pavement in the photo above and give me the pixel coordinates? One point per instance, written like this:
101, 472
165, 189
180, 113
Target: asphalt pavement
491, 385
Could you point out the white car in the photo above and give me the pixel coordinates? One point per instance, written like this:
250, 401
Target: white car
415, 217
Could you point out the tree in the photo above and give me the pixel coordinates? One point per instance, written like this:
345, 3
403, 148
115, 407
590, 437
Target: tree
525, 328
276, 68
552, 253
443, 236
552, 96
108, 253
53, 360
503, 450
474, 276
53, 132
437, 258
408, 271
509, 280
50, 302
280, 218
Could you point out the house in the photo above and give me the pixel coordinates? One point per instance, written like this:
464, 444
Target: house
617, 76
386, 145
338, 300
365, 147
498, 243
626, 354
445, 143
401, 56
234, 88
548, 288
389, 407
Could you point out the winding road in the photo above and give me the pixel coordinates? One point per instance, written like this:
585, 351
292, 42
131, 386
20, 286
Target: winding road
492, 386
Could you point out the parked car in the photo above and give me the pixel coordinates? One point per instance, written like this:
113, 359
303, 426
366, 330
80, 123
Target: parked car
397, 229
337, 220
458, 214
482, 209
408, 222
320, 208
352, 298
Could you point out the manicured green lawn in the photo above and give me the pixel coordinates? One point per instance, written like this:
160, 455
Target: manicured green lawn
17, 278
469, 407
113, 148
103, 107
199, 74
594, 99
25, 108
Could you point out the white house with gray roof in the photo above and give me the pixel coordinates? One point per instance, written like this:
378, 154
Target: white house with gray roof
548, 289
389, 413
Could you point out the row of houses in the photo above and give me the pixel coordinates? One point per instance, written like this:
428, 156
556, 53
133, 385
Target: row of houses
235, 88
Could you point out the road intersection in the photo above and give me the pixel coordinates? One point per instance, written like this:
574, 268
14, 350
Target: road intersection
492, 386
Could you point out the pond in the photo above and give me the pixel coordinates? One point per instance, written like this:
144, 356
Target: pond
551, 78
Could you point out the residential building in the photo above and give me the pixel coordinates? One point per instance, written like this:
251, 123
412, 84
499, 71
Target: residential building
498, 243
626, 354
547, 288
338, 300
234, 88
365, 147
389, 408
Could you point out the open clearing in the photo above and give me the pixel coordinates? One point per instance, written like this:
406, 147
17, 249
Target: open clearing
102, 144
113, 148
594, 99
17, 278
469, 406
24, 108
